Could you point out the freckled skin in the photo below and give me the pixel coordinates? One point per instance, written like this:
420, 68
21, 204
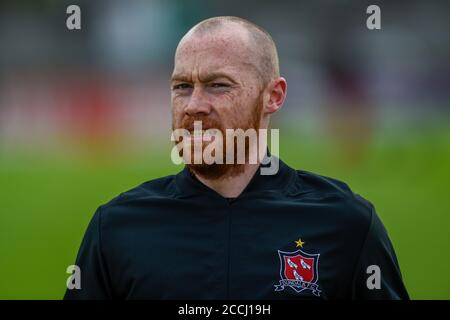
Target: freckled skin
218, 79
228, 53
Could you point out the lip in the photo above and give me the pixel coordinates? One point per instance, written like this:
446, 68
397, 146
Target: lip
199, 136
202, 138
199, 139
192, 129
205, 131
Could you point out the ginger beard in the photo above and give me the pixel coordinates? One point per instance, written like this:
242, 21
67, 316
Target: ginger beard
218, 171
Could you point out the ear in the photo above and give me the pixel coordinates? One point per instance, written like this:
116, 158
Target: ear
275, 95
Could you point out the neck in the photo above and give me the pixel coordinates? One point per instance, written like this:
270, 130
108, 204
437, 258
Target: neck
231, 187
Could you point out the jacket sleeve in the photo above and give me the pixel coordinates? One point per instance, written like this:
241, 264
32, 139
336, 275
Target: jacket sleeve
377, 273
95, 284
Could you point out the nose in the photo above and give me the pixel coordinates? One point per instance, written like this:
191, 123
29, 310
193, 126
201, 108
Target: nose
198, 103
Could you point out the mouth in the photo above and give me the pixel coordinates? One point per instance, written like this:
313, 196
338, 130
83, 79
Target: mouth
206, 135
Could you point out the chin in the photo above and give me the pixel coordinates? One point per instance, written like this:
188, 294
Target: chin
216, 171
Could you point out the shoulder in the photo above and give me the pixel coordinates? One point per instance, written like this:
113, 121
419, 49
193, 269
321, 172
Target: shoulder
342, 203
313, 182
139, 197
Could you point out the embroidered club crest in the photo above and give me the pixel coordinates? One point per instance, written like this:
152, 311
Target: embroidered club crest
299, 270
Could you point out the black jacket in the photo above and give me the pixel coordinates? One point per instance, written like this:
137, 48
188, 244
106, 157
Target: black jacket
293, 235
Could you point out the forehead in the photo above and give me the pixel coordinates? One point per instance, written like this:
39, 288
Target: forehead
226, 52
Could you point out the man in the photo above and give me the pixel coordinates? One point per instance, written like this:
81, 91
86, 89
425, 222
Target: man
224, 230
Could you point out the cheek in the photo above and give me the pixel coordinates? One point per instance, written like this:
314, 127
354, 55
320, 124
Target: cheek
244, 104
177, 110
227, 108
177, 101
235, 111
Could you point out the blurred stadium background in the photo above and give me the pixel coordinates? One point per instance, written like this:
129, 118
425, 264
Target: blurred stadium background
85, 115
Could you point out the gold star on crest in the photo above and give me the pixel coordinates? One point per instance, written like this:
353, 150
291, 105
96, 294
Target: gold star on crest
299, 243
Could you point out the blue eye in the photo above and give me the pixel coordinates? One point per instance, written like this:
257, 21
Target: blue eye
219, 85
181, 86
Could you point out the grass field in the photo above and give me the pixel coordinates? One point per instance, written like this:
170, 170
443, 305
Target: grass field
47, 199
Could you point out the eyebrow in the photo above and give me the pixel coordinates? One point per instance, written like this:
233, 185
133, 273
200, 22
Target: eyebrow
207, 78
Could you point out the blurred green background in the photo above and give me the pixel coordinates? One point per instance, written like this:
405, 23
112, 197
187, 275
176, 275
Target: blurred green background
85, 116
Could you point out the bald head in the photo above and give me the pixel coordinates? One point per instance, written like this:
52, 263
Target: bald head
258, 47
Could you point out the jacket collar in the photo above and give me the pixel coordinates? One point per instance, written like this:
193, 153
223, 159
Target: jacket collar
188, 185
